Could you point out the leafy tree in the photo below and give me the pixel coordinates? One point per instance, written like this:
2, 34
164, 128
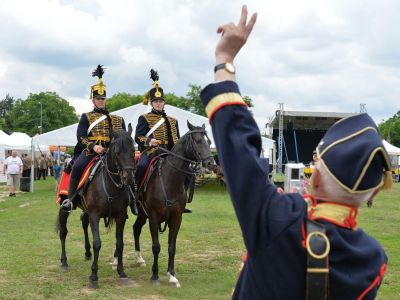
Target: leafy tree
6, 106
2, 124
122, 100
56, 113
193, 96
191, 102
248, 101
390, 129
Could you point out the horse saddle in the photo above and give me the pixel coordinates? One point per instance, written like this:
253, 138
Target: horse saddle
148, 174
87, 176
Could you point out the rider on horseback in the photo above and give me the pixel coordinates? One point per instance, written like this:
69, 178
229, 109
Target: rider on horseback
93, 133
154, 130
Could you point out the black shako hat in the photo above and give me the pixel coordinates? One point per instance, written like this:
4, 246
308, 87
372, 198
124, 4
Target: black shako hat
98, 90
156, 92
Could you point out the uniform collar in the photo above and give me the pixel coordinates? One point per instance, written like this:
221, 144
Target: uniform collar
101, 111
336, 213
158, 112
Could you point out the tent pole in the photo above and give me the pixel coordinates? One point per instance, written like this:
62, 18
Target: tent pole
32, 189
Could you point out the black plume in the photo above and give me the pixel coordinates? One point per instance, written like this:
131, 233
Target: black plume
154, 75
98, 72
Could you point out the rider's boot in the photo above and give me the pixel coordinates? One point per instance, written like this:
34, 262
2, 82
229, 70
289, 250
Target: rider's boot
132, 200
68, 204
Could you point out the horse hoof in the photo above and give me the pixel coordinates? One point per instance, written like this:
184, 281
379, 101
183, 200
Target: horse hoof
175, 284
64, 269
141, 264
156, 282
88, 257
173, 281
93, 284
125, 281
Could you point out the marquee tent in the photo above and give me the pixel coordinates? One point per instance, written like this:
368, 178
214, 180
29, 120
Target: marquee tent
391, 150
16, 141
66, 136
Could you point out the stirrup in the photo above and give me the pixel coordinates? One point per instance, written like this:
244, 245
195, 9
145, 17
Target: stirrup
67, 205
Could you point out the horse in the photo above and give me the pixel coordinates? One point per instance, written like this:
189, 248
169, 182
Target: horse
165, 196
106, 197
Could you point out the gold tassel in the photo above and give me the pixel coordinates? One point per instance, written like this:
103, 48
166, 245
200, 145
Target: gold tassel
146, 98
387, 181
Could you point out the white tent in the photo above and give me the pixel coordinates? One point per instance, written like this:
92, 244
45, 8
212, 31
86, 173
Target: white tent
16, 141
4, 144
66, 136
391, 150
20, 141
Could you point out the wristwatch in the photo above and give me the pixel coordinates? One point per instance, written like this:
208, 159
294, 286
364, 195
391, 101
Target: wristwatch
229, 67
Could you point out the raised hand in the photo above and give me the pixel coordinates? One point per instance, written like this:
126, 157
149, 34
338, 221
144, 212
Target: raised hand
233, 37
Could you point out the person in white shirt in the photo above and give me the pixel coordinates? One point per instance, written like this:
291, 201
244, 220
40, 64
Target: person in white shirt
13, 169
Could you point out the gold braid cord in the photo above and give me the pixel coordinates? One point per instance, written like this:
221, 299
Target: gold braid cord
86, 142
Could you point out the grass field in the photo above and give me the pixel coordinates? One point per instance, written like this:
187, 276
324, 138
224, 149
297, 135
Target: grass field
209, 250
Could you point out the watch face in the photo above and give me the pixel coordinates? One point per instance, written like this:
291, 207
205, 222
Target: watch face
230, 68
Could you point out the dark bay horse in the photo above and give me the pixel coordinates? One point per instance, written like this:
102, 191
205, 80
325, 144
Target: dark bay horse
107, 196
165, 196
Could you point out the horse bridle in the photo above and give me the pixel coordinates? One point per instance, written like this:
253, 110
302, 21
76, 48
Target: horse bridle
194, 149
119, 170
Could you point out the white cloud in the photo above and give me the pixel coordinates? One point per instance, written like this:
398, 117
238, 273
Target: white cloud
311, 55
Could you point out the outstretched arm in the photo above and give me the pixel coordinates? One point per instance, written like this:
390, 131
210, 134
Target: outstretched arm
263, 213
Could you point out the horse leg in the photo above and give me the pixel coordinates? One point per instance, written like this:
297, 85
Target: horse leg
94, 225
85, 225
119, 234
137, 230
174, 226
62, 227
155, 248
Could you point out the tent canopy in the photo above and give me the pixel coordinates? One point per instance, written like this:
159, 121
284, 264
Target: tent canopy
391, 150
66, 136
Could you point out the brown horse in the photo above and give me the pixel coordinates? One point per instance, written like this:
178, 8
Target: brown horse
106, 197
165, 196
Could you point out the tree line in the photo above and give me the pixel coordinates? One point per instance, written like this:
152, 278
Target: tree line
25, 115
46, 111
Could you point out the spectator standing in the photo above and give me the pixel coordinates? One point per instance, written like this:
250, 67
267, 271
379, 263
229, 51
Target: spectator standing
13, 169
26, 165
42, 167
57, 173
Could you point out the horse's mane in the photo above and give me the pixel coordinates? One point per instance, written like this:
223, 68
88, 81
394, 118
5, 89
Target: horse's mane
120, 138
183, 138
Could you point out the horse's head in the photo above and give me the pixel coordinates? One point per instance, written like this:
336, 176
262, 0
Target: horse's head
198, 146
121, 150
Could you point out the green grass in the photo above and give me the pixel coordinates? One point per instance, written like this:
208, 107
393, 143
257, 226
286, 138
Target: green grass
209, 250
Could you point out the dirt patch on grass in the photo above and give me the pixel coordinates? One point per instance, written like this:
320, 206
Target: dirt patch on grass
3, 276
24, 205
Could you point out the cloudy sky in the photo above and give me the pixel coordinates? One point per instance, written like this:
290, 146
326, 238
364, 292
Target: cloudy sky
311, 55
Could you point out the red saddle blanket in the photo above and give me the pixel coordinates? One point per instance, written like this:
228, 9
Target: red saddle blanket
152, 162
64, 182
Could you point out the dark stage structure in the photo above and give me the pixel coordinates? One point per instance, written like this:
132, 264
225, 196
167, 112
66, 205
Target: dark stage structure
297, 133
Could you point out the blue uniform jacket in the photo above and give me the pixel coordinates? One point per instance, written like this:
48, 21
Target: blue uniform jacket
272, 224
143, 127
82, 134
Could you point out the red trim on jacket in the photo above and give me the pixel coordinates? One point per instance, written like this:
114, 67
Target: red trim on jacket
222, 105
374, 283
